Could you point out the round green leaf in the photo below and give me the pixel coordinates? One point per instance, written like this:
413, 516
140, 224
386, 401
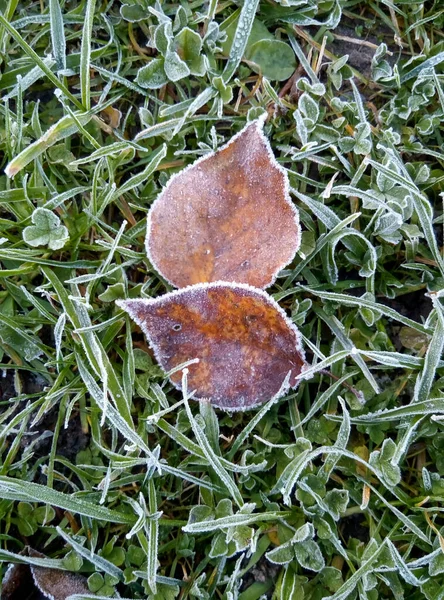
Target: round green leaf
153, 75
275, 60
132, 12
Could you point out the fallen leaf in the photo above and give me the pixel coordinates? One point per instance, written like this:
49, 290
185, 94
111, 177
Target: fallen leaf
112, 116
30, 581
226, 217
244, 342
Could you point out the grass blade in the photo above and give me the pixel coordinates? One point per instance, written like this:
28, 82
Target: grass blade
57, 34
85, 55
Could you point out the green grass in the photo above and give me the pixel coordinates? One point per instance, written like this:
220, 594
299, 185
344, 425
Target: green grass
336, 490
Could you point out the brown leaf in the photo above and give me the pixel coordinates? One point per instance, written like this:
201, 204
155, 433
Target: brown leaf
17, 583
245, 343
58, 585
227, 217
25, 581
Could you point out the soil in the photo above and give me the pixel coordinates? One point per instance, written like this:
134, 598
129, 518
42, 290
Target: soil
354, 526
71, 440
415, 305
262, 571
361, 55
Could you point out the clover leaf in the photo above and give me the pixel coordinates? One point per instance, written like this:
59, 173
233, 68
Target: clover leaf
46, 230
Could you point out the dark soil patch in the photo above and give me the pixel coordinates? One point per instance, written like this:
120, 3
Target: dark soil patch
357, 48
415, 305
354, 526
71, 440
262, 572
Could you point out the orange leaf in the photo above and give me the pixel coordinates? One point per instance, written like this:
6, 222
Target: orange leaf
244, 342
227, 217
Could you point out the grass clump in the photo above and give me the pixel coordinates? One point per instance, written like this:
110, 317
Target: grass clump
335, 491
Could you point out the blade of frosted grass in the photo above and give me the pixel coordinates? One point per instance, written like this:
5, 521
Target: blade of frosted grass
153, 538
358, 102
39, 62
367, 567
125, 82
432, 358
257, 418
325, 397
39, 305
141, 177
113, 416
236, 520
57, 34
406, 440
109, 150
33, 257
14, 489
99, 562
205, 446
243, 29
340, 443
428, 407
19, 112
302, 59
362, 302
403, 568
14, 447
103, 325
125, 462
33, 343
9, 11
49, 563
60, 199
92, 140
211, 425
298, 155
129, 372
168, 110
104, 267
191, 479
396, 359
329, 219
338, 330
212, 7
324, 364
200, 101
96, 276
92, 346
349, 190
44, 20
167, 126
429, 62
64, 128
194, 448
323, 241
401, 516
85, 55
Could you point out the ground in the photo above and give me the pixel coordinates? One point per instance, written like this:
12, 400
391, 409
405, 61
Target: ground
334, 490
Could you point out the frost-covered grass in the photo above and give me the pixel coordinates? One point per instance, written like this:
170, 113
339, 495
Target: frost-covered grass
105, 467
